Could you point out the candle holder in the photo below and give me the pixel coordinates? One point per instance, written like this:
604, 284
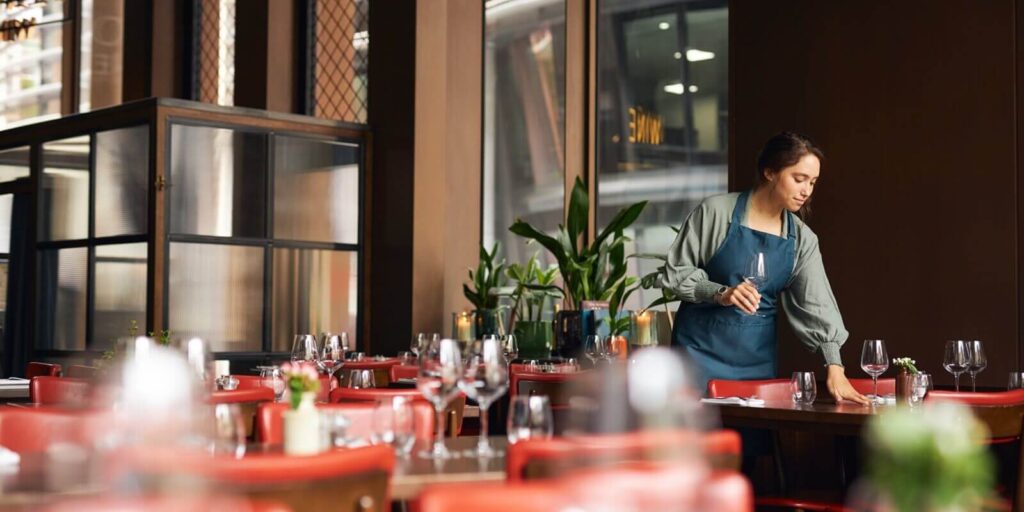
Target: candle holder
644, 327
463, 326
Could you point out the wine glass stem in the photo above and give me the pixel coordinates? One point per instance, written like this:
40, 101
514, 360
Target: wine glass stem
439, 440
483, 445
974, 385
956, 381
874, 386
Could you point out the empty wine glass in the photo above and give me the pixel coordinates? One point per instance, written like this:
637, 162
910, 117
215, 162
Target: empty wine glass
228, 431
485, 379
920, 384
304, 348
510, 347
611, 348
1016, 381
594, 348
332, 357
757, 273
874, 360
978, 362
420, 340
529, 417
957, 359
270, 377
361, 379
440, 370
393, 424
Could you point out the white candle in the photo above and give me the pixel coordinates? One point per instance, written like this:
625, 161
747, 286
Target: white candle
222, 367
463, 327
643, 329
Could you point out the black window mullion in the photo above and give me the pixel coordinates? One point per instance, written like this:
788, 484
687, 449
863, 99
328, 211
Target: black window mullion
268, 255
90, 273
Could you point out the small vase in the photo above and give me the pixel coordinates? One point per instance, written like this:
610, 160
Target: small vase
535, 339
302, 428
903, 385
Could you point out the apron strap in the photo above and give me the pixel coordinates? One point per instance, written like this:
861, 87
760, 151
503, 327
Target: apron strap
740, 210
790, 225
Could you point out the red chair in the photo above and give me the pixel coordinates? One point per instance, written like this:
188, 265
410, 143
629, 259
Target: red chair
769, 390
403, 371
47, 390
865, 387
27, 430
381, 370
242, 396
454, 413
78, 371
534, 458
157, 503
42, 369
270, 422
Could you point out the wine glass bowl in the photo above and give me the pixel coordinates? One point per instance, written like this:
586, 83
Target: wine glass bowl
304, 348
485, 379
440, 370
957, 359
978, 362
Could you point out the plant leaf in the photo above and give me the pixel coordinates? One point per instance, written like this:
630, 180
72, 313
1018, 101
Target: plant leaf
622, 220
579, 213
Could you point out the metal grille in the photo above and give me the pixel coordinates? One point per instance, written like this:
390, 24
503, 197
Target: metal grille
340, 55
215, 52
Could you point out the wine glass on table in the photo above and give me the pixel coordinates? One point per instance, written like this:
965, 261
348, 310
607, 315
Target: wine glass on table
978, 362
304, 348
957, 359
440, 370
757, 274
332, 357
485, 380
874, 360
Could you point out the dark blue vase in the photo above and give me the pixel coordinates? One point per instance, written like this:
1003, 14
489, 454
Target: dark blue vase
568, 334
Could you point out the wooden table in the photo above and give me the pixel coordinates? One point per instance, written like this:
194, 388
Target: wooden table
412, 473
846, 419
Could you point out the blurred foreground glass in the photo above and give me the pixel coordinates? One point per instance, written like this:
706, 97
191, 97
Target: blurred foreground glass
920, 385
805, 388
394, 424
1016, 381
271, 377
440, 370
956, 359
229, 431
529, 417
333, 428
485, 380
361, 379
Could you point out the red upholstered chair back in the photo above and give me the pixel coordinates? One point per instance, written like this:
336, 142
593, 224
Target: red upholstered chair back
493, 497
768, 389
544, 458
990, 398
42, 369
453, 414
381, 370
78, 371
193, 503
27, 430
403, 371
864, 386
270, 422
59, 391
241, 396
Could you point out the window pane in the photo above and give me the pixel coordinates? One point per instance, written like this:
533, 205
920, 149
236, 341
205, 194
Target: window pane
122, 170
316, 190
120, 292
215, 49
14, 164
524, 120
6, 205
65, 189
30, 67
314, 291
62, 298
662, 131
340, 59
218, 180
216, 293
101, 53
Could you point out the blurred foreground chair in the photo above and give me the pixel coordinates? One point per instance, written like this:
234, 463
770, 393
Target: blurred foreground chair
57, 391
403, 371
270, 422
545, 458
453, 414
25, 430
157, 503
35, 369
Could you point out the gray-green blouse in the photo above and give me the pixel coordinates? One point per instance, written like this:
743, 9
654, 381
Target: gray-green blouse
807, 298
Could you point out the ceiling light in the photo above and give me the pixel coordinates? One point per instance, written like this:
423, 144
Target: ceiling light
678, 55
693, 88
694, 55
664, 25
676, 88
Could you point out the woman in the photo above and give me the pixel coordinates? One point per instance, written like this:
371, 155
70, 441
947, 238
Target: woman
726, 324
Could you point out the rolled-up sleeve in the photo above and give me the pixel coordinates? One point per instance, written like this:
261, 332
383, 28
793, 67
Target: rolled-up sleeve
810, 305
683, 273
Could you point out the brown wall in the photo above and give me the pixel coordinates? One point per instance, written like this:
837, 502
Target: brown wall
914, 103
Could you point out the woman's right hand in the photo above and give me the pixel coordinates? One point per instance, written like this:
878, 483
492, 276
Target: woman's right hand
743, 296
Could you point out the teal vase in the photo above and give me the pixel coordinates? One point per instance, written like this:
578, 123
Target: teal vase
535, 339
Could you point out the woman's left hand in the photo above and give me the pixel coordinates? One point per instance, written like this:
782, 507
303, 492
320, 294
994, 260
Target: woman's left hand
840, 388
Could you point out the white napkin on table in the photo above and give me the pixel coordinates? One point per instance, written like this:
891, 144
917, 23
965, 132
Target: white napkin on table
735, 400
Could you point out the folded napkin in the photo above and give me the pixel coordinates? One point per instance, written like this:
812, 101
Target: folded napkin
8, 459
735, 400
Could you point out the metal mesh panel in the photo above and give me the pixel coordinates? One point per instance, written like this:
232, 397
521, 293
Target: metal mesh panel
215, 52
340, 49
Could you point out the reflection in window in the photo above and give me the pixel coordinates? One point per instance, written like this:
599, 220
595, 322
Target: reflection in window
62, 290
524, 120
316, 190
101, 53
314, 291
661, 115
122, 158
218, 180
65, 190
120, 292
30, 67
14, 164
216, 293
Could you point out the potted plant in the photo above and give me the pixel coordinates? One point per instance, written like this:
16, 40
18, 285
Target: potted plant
906, 369
534, 289
589, 272
487, 280
302, 420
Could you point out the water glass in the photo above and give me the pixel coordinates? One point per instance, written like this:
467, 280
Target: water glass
270, 377
406, 358
874, 360
1016, 381
333, 428
805, 388
510, 347
529, 417
394, 424
920, 385
978, 362
422, 339
957, 359
332, 356
304, 348
594, 348
228, 431
361, 379
572, 365
757, 274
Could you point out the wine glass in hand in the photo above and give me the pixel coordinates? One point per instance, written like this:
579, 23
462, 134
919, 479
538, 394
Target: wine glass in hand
757, 273
874, 360
978, 362
957, 359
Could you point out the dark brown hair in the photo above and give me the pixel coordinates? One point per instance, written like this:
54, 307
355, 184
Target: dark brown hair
783, 150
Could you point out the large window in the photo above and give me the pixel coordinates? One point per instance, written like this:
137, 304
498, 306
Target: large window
661, 116
101, 53
338, 46
214, 69
524, 120
31, 66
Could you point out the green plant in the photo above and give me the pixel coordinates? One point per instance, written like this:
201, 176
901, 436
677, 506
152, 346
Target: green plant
487, 279
534, 285
905, 363
589, 272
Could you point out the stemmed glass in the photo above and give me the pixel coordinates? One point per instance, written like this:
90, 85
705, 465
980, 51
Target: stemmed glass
611, 348
594, 348
978, 362
920, 384
957, 359
304, 348
757, 273
332, 357
1016, 381
422, 339
510, 347
874, 360
485, 379
440, 370
270, 377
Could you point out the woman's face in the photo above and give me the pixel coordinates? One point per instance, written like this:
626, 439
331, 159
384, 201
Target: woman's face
793, 186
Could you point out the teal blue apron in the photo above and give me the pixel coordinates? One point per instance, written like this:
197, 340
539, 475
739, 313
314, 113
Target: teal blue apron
725, 342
